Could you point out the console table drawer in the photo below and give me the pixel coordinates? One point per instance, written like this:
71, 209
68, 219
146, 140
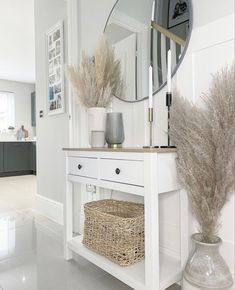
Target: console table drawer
87, 167
123, 171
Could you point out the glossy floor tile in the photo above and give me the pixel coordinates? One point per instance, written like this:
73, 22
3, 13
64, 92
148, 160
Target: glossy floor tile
31, 250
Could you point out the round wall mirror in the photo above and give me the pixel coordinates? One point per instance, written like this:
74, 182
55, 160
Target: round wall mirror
142, 31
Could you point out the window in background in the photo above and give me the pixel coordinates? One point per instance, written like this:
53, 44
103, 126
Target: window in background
7, 110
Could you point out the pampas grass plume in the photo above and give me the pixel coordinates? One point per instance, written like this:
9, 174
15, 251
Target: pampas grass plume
205, 141
99, 78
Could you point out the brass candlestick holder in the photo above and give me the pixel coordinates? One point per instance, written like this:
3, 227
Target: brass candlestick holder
150, 120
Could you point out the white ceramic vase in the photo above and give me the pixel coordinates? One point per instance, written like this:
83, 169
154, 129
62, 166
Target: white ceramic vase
206, 268
96, 126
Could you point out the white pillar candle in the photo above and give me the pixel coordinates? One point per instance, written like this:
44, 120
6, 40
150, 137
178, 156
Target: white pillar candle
153, 11
169, 71
150, 86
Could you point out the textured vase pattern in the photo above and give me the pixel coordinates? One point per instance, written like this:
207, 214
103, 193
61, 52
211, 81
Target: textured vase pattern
206, 269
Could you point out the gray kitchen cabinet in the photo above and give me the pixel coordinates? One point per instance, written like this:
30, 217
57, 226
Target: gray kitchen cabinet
33, 157
33, 109
16, 156
1, 158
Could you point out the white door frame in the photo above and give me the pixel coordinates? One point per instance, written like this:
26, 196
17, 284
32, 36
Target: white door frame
73, 59
74, 110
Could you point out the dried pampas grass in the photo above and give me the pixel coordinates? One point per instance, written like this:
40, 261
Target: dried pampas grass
205, 139
99, 78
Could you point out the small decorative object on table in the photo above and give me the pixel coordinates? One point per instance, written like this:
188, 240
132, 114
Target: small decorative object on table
205, 140
96, 82
114, 130
11, 129
22, 133
115, 229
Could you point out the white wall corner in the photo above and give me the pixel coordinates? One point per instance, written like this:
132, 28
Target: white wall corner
50, 209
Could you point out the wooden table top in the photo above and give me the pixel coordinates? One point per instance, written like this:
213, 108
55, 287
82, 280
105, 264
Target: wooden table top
124, 149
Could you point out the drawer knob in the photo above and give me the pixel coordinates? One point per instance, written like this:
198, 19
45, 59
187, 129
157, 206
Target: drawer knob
79, 166
117, 171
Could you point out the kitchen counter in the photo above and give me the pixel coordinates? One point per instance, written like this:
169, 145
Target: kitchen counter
23, 141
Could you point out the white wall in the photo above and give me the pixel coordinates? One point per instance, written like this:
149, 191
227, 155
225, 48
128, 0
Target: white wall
211, 47
52, 131
17, 59
22, 93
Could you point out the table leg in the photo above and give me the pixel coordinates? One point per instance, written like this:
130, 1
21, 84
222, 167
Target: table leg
152, 279
68, 219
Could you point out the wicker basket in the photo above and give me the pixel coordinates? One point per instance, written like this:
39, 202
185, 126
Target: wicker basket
115, 229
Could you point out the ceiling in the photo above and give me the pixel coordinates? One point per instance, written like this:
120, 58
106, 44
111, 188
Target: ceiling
17, 59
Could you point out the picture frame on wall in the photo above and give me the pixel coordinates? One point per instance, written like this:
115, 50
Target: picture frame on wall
178, 12
55, 71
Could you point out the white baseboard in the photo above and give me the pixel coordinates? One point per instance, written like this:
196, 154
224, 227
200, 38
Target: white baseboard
50, 208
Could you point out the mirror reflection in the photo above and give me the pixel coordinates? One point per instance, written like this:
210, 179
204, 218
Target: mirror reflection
142, 31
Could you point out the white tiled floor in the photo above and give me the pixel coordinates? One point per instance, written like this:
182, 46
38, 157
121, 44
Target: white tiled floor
31, 254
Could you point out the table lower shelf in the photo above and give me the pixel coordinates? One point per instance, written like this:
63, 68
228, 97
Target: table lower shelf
133, 276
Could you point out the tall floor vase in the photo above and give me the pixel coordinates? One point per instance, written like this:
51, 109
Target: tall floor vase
206, 269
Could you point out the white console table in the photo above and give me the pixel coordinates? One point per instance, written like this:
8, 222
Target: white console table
143, 172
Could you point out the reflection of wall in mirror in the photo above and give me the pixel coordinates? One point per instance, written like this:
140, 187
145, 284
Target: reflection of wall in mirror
138, 9
125, 52
115, 32
131, 39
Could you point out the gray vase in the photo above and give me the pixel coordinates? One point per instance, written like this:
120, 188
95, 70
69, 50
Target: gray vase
206, 269
114, 130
